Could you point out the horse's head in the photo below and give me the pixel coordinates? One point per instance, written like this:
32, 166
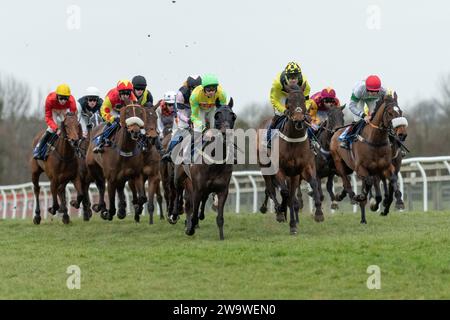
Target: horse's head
335, 117
71, 129
151, 132
132, 117
224, 117
295, 105
393, 116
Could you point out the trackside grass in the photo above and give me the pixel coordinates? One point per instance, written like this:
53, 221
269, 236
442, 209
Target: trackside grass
257, 260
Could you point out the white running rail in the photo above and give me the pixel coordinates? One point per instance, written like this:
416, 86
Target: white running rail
426, 167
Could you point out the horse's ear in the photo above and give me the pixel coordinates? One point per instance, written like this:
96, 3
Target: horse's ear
231, 103
395, 96
343, 107
122, 117
218, 102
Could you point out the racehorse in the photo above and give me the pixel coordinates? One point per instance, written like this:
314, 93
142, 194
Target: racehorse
61, 167
214, 175
370, 155
151, 168
121, 162
296, 160
396, 138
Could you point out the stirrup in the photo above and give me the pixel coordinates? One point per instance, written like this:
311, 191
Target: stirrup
98, 149
344, 145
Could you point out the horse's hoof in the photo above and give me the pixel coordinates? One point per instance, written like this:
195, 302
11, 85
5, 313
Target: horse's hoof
37, 220
190, 231
66, 219
121, 214
293, 231
201, 216
137, 218
334, 206
360, 198
400, 206
96, 207
110, 217
363, 222
384, 213
280, 217
150, 221
87, 215
173, 219
319, 218
52, 211
263, 210
75, 204
374, 207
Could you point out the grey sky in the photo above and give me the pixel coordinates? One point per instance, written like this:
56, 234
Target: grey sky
244, 42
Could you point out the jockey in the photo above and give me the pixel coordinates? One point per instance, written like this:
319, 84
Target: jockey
57, 104
183, 113
88, 106
184, 93
292, 74
166, 112
116, 98
203, 102
364, 98
321, 102
144, 96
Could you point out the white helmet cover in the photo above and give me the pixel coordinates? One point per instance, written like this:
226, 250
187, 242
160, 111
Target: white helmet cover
170, 97
92, 92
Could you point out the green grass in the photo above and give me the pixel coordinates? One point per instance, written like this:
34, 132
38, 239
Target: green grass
257, 260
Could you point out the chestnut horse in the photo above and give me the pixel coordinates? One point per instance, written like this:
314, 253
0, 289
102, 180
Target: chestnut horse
121, 162
370, 155
296, 160
61, 167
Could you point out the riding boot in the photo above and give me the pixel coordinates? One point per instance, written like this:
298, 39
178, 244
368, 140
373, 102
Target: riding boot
100, 144
142, 143
38, 152
167, 155
103, 139
269, 130
158, 145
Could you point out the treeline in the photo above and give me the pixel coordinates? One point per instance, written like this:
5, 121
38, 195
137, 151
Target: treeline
21, 120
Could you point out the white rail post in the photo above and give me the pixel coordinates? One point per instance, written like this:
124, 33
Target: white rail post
238, 193
425, 186
255, 193
14, 203
5, 203
128, 200
401, 184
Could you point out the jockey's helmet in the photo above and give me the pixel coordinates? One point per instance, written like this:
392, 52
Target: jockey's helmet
139, 83
193, 81
124, 85
63, 90
170, 97
209, 80
92, 92
373, 83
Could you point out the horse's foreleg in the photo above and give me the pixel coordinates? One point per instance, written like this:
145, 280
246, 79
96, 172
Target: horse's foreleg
201, 214
122, 210
310, 177
334, 204
152, 187
192, 220
82, 188
221, 198
112, 186
293, 219
159, 200
375, 203
37, 190
279, 180
62, 198
54, 190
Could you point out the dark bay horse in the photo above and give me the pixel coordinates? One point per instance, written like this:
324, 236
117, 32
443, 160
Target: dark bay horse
296, 160
370, 155
121, 162
214, 175
324, 162
61, 167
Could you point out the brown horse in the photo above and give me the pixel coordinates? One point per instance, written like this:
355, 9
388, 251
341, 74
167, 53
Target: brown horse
370, 155
396, 138
151, 169
296, 160
61, 167
213, 176
121, 162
